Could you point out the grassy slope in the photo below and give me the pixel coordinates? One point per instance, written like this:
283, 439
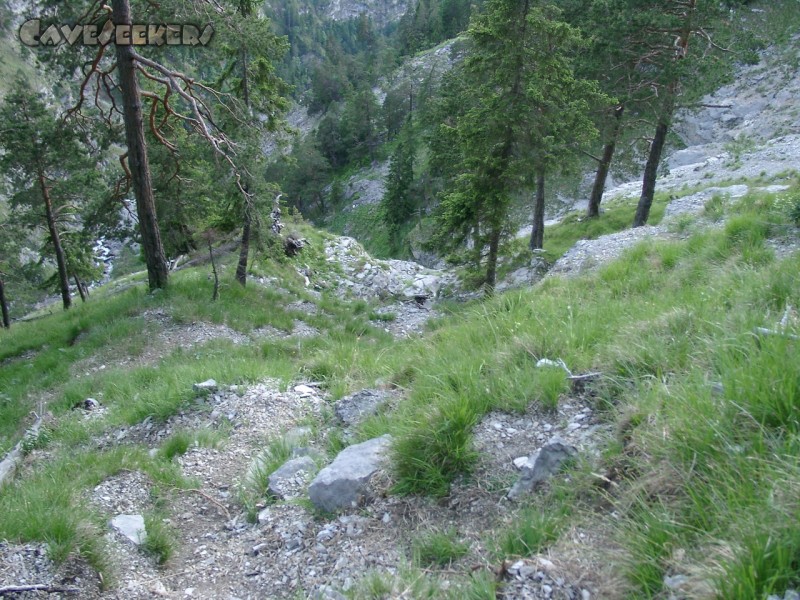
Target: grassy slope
712, 476
699, 479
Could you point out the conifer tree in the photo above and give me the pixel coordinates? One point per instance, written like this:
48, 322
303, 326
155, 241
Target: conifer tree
398, 203
522, 112
47, 168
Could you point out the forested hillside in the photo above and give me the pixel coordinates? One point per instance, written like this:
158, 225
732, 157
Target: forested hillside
367, 119
554, 358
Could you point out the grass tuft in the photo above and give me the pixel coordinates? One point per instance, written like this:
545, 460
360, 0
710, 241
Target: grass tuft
438, 549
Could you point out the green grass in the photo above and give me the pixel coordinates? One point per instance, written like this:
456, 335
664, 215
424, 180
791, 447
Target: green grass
179, 442
534, 531
438, 549
160, 540
661, 323
46, 505
255, 488
366, 224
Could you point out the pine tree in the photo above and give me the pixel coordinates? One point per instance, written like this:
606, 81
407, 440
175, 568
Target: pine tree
522, 111
398, 204
666, 29
47, 168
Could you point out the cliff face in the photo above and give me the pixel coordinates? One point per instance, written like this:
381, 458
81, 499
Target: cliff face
381, 11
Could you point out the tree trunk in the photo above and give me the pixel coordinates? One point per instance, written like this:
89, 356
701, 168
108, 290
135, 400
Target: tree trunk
244, 251
491, 261
654, 158
537, 230
215, 293
157, 269
61, 260
245, 82
664, 120
4, 305
80, 286
605, 164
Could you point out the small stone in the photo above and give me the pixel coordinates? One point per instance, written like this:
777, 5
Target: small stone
545, 564
527, 572
158, 589
522, 462
546, 463
514, 568
282, 481
131, 526
674, 582
586, 595
304, 390
325, 592
293, 544
209, 386
326, 533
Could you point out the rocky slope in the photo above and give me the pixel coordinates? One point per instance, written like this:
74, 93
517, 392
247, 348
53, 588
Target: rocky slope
382, 12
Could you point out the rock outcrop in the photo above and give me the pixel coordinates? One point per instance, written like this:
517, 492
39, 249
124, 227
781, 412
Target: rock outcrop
367, 277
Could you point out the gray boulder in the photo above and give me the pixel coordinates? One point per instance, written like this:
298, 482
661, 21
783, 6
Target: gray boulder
131, 526
290, 478
546, 463
356, 407
343, 483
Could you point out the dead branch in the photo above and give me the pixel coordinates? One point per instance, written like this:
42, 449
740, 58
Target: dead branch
82, 91
200, 114
765, 331
590, 155
704, 34
156, 99
209, 498
126, 179
48, 589
704, 105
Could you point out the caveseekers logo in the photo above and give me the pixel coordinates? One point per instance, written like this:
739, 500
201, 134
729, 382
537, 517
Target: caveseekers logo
31, 34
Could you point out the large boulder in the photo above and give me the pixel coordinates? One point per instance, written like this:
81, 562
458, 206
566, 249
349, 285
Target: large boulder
343, 483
